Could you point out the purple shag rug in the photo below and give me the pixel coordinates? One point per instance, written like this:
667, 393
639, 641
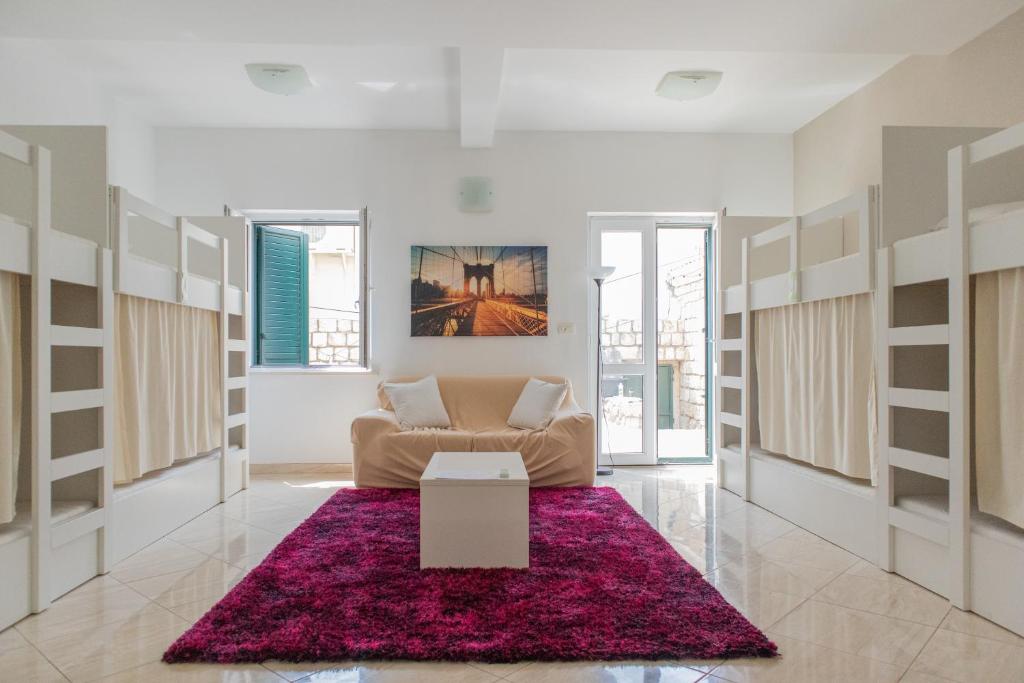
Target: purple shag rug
346, 585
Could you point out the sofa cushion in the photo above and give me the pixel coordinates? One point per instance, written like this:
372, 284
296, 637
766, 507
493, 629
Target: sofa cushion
537, 404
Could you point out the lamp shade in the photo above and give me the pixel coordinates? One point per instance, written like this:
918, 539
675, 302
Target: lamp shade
601, 273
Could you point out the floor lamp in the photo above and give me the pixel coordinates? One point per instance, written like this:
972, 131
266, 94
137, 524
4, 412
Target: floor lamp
599, 275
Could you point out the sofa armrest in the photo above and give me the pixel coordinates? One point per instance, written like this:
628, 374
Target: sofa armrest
574, 428
374, 424
572, 413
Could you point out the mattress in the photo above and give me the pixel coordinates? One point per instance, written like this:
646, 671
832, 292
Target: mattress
170, 268
21, 525
983, 214
936, 507
4, 218
860, 487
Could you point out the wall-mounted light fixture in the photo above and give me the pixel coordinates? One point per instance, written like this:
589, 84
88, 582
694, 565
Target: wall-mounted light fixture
476, 194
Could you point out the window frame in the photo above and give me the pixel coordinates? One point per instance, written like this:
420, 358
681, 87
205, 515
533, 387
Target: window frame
357, 218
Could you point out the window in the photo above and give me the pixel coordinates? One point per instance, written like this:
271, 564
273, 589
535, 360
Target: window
310, 289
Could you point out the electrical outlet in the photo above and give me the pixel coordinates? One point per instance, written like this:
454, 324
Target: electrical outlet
566, 328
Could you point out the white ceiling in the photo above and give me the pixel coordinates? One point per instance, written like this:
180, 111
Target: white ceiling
614, 89
472, 64
838, 26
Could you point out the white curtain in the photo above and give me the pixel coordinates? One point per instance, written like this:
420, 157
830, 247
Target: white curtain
168, 391
10, 393
998, 387
816, 393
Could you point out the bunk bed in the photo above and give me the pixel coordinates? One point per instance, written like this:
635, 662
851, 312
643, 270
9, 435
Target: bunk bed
798, 266
60, 327
932, 529
53, 542
198, 471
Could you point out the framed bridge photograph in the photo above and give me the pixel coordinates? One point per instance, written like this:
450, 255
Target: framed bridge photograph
479, 291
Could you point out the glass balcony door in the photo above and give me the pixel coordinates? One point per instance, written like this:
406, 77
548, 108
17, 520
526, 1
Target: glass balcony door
653, 339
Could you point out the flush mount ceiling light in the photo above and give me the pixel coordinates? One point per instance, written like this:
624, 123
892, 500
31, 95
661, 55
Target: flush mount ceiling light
688, 85
280, 79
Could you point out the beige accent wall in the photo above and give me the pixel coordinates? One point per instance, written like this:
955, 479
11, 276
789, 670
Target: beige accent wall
78, 157
980, 84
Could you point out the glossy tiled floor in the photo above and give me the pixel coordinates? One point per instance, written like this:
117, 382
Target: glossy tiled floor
834, 617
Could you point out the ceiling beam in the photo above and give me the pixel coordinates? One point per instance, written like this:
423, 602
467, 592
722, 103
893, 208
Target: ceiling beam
480, 71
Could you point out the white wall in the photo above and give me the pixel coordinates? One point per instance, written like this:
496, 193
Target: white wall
132, 152
545, 184
980, 84
42, 86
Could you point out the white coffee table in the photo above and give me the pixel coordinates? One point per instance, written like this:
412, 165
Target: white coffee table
472, 517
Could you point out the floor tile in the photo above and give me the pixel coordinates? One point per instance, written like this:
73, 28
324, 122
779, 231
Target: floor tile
918, 677
763, 607
754, 523
861, 633
194, 611
806, 549
404, 672
872, 590
500, 670
163, 557
236, 542
115, 647
972, 624
94, 605
210, 580
968, 658
707, 549
266, 514
802, 662
331, 671
20, 661
593, 672
158, 672
757, 571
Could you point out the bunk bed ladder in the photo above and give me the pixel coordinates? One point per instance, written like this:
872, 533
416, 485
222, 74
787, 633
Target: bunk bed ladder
954, 469
41, 436
740, 382
229, 382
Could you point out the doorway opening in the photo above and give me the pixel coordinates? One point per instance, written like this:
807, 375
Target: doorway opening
655, 332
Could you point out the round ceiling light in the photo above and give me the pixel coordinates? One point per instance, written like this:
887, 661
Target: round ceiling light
280, 79
688, 85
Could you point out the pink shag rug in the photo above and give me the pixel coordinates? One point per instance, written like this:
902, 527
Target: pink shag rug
346, 585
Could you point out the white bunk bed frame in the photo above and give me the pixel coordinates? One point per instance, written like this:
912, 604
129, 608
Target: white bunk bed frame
140, 277
983, 576
793, 490
59, 554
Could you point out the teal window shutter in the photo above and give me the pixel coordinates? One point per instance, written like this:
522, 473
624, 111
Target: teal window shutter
282, 296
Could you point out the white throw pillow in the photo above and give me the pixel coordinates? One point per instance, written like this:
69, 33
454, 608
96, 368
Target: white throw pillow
537, 404
418, 404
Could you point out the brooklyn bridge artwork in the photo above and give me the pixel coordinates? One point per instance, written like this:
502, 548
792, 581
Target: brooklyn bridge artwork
479, 291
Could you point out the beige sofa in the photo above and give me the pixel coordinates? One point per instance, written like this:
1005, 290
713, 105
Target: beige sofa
385, 456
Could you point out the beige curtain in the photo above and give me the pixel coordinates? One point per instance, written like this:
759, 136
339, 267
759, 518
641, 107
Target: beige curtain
815, 366
10, 393
168, 385
998, 387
